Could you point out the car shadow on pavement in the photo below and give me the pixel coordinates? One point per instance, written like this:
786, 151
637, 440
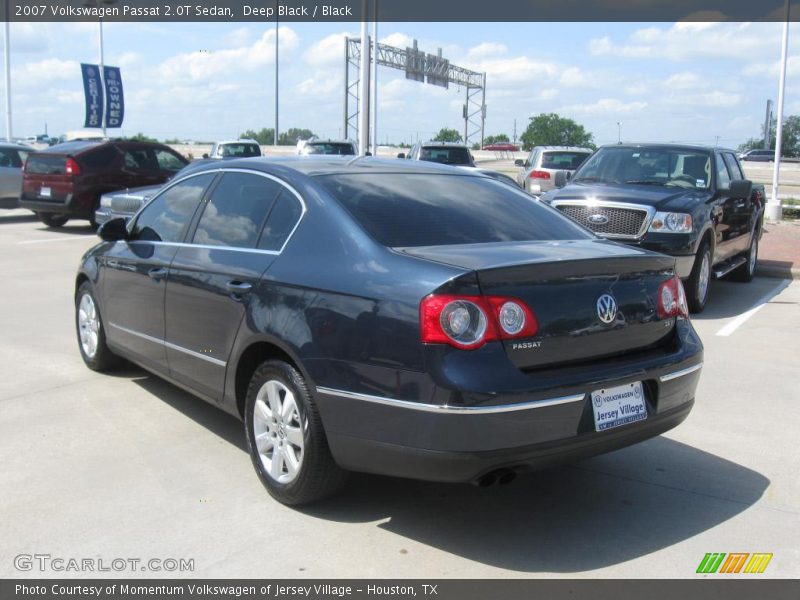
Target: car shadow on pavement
598, 512
731, 299
76, 228
24, 218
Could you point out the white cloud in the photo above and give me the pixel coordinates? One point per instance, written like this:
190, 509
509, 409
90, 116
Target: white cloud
401, 40
682, 81
327, 51
604, 106
572, 77
486, 50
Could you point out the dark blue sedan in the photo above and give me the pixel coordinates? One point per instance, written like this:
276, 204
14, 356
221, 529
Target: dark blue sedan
392, 317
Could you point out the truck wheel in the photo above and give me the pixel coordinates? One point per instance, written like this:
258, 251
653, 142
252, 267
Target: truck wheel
52, 219
747, 270
698, 283
286, 439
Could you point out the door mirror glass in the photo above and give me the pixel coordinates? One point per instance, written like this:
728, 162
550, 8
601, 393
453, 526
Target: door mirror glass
113, 230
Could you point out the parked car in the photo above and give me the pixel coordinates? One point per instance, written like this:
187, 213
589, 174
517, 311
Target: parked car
691, 202
66, 181
445, 153
317, 146
373, 315
234, 149
538, 170
758, 155
502, 147
12, 157
126, 203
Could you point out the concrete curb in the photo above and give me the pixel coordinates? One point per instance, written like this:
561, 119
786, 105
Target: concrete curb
771, 269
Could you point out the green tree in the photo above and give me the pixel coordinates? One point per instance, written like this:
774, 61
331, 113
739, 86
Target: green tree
493, 139
265, 137
140, 137
290, 137
791, 137
553, 130
447, 135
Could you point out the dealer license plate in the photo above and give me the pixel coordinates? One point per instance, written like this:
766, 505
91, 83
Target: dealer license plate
618, 405
45, 192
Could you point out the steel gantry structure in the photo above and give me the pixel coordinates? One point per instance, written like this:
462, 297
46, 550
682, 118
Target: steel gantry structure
419, 66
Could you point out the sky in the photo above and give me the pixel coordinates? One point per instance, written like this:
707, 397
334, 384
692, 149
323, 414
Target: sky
683, 82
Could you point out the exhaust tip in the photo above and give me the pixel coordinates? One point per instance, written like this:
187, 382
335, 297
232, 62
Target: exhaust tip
486, 480
506, 477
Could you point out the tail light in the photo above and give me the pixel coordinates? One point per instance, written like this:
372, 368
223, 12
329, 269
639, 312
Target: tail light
72, 167
672, 300
468, 322
539, 175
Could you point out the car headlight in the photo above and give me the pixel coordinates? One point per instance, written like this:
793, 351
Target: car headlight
105, 201
670, 222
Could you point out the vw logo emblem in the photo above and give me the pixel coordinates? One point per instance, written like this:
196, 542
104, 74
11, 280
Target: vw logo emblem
597, 219
606, 308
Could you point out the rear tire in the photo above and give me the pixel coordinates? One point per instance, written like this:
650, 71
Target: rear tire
699, 281
52, 219
745, 273
286, 439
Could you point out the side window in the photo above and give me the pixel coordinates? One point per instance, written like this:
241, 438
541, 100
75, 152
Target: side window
733, 166
100, 158
167, 161
165, 218
281, 222
139, 159
723, 178
9, 158
236, 211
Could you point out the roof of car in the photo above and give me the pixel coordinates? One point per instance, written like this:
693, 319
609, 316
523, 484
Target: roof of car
242, 141
446, 144
17, 146
670, 146
329, 141
564, 148
314, 165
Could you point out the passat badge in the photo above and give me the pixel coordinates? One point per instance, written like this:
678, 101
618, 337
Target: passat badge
597, 219
607, 308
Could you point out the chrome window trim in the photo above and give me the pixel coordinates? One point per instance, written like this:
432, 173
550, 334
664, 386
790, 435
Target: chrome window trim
681, 373
165, 343
452, 410
650, 213
223, 170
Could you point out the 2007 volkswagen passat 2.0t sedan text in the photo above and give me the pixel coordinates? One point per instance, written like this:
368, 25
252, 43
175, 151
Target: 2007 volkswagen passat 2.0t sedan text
391, 317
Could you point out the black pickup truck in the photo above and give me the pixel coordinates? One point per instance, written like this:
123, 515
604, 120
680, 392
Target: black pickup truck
691, 202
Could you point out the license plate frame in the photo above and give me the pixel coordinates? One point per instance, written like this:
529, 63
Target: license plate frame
45, 192
618, 405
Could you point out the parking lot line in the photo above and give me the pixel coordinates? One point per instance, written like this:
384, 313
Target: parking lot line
742, 318
58, 239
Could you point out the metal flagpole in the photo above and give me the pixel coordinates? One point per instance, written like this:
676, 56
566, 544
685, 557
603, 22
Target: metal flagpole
374, 81
363, 116
102, 76
275, 137
7, 45
774, 211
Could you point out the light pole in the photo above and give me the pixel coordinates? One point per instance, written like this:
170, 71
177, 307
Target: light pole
275, 137
7, 46
774, 210
619, 132
97, 3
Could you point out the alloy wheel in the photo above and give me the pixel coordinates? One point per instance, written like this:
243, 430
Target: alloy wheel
278, 431
88, 325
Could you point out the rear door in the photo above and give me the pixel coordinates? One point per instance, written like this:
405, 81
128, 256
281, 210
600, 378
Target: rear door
211, 279
134, 272
139, 167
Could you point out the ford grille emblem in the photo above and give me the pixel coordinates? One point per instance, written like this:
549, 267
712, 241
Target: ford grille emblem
606, 308
597, 219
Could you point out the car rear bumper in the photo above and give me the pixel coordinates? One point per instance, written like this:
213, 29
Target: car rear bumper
65, 206
462, 443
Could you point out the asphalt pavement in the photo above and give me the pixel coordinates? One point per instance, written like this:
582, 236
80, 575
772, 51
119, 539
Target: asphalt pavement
127, 466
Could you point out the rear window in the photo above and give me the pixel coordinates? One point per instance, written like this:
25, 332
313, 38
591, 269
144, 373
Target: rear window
446, 155
102, 158
239, 150
406, 210
566, 161
328, 148
45, 165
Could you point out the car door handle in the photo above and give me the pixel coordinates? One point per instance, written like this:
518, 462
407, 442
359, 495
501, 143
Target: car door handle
238, 288
157, 273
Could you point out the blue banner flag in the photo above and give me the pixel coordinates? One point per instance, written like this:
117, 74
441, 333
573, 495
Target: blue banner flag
93, 92
115, 102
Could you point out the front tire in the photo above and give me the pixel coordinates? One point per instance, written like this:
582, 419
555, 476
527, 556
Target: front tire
700, 279
746, 272
91, 333
52, 219
286, 439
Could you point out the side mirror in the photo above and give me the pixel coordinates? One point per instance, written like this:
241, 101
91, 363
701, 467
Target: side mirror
561, 178
114, 230
205, 155
740, 189
519, 163
401, 155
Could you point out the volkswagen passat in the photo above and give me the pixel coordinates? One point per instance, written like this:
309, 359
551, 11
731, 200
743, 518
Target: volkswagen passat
390, 317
